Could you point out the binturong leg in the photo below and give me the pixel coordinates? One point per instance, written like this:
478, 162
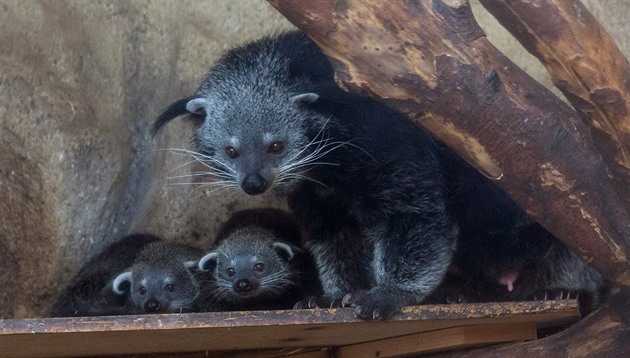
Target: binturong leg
342, 255
343, 265
409, 261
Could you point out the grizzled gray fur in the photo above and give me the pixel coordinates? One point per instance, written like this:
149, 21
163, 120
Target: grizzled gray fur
161, 279
364, 183
257, 263
379, 200
90, 292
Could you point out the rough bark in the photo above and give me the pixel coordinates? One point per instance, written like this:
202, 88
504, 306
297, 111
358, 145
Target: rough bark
605, 333
431, 61
585, 64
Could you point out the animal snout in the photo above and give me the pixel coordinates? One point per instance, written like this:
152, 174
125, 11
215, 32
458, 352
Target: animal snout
152, 305
243, 285
254, 184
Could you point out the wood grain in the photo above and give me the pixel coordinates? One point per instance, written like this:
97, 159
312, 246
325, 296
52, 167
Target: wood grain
221, 331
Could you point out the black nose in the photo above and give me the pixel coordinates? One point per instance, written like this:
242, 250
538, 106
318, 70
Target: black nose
152, 305
243, 285
254, 184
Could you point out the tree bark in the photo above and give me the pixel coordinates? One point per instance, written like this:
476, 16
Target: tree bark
432, 62
604, 333
585, 64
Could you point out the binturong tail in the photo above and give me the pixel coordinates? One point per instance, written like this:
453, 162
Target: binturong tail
174, 110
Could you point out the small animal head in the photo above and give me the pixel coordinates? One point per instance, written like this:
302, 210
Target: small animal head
156, 289
257, 127
254, 269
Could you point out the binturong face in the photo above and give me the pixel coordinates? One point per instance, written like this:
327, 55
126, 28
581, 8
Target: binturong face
243, 272
259, 150
159, 290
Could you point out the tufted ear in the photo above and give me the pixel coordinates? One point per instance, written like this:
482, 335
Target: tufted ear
285, 251
304, 99
176, 109
198, 106
122, 283
208, 262
192, 265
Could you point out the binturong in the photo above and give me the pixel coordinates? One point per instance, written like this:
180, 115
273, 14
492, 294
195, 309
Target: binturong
363, 182
382, 205
162, 279
257, 263
90, 293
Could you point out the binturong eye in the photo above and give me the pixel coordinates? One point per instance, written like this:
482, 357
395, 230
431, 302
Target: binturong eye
231, 152
259, 267
142, 290
230, 271
276, 147
169, 287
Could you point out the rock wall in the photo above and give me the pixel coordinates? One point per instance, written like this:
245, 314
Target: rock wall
80, 84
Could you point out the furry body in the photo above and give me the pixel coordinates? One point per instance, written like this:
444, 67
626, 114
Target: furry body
503, 254
90, 292
377, 197
257, 263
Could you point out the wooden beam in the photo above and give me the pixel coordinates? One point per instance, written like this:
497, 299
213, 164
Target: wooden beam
585, 64
604, 333
430, 60
443, 339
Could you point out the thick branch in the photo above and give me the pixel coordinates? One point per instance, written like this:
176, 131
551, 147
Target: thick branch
585, 64
430, 60
604, 333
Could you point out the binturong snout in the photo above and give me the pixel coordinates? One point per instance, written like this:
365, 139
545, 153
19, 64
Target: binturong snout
254, 184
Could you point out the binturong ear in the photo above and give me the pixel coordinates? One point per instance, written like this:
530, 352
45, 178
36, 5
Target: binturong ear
198, 106
304, 99
283, 250
122, 283
208, 262
192, 265
176, 109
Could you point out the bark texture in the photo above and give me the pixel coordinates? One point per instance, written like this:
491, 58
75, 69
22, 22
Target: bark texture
567, 168
605, 333
431, 61
585, 64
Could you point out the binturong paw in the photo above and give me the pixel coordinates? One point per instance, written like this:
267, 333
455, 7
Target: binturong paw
377, 304
318, 302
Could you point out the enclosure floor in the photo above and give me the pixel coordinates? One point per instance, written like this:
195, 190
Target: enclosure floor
299, 333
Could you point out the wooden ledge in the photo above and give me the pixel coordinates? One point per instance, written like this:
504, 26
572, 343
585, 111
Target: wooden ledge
221, 331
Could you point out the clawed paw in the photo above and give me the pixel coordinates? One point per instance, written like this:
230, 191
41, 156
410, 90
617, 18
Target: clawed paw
373, 305
318, 302
555, 295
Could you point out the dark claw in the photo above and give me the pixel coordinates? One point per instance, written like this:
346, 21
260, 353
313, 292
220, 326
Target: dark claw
302, 304
346, 301
376, 314
312, 302
337, 302
318, 302
309, 302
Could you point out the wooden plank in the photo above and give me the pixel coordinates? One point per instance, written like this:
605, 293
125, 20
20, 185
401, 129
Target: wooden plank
220, 331
449, 338
317, 352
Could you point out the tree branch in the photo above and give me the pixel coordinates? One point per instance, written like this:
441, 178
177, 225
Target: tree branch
431, 61
604, 333
585, 64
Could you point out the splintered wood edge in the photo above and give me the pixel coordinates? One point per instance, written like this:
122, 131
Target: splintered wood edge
214, 331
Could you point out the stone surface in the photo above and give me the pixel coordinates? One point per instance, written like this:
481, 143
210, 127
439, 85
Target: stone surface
80, 84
